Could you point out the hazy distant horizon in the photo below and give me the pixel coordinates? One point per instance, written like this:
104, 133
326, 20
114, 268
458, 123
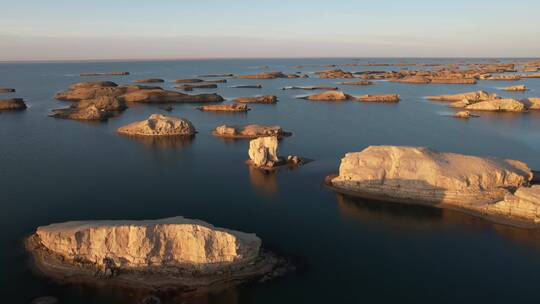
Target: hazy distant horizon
170, 30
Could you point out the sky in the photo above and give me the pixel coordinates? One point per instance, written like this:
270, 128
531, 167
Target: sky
167, 29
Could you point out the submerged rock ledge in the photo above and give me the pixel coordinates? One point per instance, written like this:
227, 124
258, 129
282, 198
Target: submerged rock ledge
172, 253
493, 188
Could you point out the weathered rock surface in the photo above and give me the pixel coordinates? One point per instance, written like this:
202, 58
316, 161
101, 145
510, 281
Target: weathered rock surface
93, 90
92, 84
335, 74
155, 254
263, 151
329, 96
498, 105
192, 80
165, 96
464, 114
249, 131
516, 88
159, 125
248, 86
440, 80
105, 74
6, 90
471, 96
100, 108
225, 108
532, 103
504, 77
522, 205
12, 104
422, 175
149, 80
380, 98
267, 75
268, 99
413, 79
216, 75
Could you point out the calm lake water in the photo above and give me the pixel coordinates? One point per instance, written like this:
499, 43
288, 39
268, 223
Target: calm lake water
54, 170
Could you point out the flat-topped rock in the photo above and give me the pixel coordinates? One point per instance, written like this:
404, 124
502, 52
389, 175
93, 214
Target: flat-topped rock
190, 87
472, 96
356, 83
225, 108
380, 98
171, 253
92, 84
498, 105
522, 205
216, 75
249, 131
329, 96
105, 74
166, 96
420, 175
516, 88
248, 86
159, 125
266, 75
268, 99
191, 80
413, 79
310, 88
335, 74
6, 90
505, 77
82, 91
12, 104
442, 80
149, 80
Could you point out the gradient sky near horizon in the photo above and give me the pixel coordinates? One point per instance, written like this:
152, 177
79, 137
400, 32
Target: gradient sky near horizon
121, 29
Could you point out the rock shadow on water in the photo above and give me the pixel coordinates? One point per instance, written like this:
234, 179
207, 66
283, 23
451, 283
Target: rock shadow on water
265, 182
410, 218
163, 142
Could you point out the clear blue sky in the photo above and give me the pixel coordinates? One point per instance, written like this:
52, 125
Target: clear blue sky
54, 29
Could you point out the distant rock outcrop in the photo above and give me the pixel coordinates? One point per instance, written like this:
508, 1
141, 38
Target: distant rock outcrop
12, 104
329, 96
190, 87
149, 80
105, 74
516, 88
335, 74
225, 108
310, 88
267, 75
100, 108
165, 96
159, 125
357, 83
464, 114
471, 96
380, 98
6, 90
263, 155
249, 131
268, 99
498, 105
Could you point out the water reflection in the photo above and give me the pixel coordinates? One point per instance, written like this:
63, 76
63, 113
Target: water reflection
403, 218
264, 181
164, 142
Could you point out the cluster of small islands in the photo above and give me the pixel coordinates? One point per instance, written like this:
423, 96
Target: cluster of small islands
191, 256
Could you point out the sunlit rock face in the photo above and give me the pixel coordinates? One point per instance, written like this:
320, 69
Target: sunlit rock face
263, 151
424, 175
159, 125
139, 244
523, 204
471, 96
249, 131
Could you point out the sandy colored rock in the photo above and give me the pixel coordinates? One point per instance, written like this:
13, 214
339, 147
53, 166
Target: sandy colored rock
165, 96
505, 77
471, 96
535, 75
225, 108
191, 80
522, 205
12, 104
380, 98
357, 83
149, 80
100, 108
6, 90
439, 80
267, 75
532, 103
516, 88
92, 84
413, 79
460, 104
335, 74
311, 88
424, 175
498, 105
159, 125
95, 90
464, 114
268, 99
329, 96
263, 151
190, 87
249, 131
